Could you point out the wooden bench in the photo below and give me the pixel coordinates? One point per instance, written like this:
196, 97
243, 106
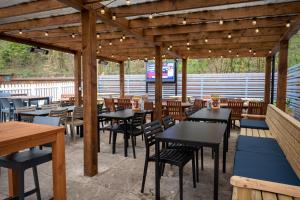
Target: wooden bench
286, 130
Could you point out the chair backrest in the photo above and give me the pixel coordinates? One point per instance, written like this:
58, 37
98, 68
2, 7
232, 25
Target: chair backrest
18, 103
124, 103
256, 108
49, 106
4, 94
138, 119
174, 109
199, 103
149, 131
77, 112
286, 131
223, 100
62, 113
236, 107
52, 121
72, 100
4, 103
109, 105
168, 122
148, 105
25, 109
99, 108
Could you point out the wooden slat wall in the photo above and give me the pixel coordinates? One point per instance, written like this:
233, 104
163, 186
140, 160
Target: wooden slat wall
286, 130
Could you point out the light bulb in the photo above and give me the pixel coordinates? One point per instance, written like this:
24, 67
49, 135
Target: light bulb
102, 11
20, 32
257, 30
184, 21
127, 2
114, 17
254, 22
150, 16
206, 40
221, 22
229, 35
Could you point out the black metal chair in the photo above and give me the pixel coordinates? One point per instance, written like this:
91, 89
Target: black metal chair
21, 161
6, 109
168, 122
131, 129
177, 157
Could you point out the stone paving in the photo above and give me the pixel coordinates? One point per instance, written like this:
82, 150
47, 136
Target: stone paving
120, 178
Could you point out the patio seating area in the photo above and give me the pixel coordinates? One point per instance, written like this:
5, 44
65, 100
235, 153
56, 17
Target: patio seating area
88, 143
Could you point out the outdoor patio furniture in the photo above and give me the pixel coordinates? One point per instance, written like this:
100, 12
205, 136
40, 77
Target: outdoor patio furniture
124, 103
269, 165
254, 124
19, 136
109, 105
49, 106
17, 103
25, 118
177, 157
75, 121
6, 109
236, 107
62, 114
199, 103
174, 109
187, 133
131, 130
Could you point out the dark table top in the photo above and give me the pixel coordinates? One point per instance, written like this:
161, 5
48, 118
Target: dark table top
122, 114
45, 112
217, 115
200, 133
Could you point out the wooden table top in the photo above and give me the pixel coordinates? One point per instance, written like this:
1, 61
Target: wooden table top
12, 133
217, 115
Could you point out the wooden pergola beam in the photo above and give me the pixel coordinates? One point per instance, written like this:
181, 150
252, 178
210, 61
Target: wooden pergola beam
77, 78
122, 79
158, 83
184, 79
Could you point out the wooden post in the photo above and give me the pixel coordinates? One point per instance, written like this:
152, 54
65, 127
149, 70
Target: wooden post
273, 79
122, 80
267, 80
158, 83
282, 75
77, 78
184, 79
89, 91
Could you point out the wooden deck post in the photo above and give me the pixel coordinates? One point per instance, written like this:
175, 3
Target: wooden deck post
267, 80
89, 91
282, 75
122, 80
184, 79
158, 83
77, 77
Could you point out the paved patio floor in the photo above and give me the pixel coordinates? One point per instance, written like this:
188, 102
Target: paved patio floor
120, 178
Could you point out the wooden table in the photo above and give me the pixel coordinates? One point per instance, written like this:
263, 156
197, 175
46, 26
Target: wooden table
16, 136
193, 133
29, 99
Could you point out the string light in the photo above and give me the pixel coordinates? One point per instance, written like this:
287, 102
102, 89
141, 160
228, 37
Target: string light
123, 37
188, 44
110, 43
99, 46
250, 50
221, 56
98, 35
114, 17
164, 56
112, 55
221, 22
188, 48
127, 2
102, 11
254, 53
270, 51
206, 40
184, 21
170, 46
153, 57
128, 58
209, 51
288, 24
254, 22
20, 32
237, 55
46, 34
229, 35
229, 51
97, 52
257, 30
151, 16
73, 35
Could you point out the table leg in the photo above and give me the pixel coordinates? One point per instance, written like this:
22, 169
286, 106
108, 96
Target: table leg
216, 173
157, 172
125, 139
13, 189
58, 167
225, 148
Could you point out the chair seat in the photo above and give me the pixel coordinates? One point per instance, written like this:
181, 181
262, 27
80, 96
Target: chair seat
259, 145
127, 127
254, 124
26, 159
264, 167
77, 122
176, 157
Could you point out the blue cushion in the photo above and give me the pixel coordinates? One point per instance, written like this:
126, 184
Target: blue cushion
254, 124
259, 145
264, 167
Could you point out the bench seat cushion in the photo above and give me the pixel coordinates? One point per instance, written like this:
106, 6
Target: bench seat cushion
259, 145
254, 124
264, 167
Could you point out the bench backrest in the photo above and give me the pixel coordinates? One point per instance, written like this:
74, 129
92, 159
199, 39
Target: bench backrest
286, 130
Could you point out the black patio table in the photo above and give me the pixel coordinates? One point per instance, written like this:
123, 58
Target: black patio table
222, 115
42, 112
123, 115
193, 133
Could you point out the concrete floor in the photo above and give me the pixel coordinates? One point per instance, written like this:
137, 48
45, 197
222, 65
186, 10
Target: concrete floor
120, 178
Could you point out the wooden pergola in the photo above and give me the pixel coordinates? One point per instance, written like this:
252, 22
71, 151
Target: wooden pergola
121, 30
